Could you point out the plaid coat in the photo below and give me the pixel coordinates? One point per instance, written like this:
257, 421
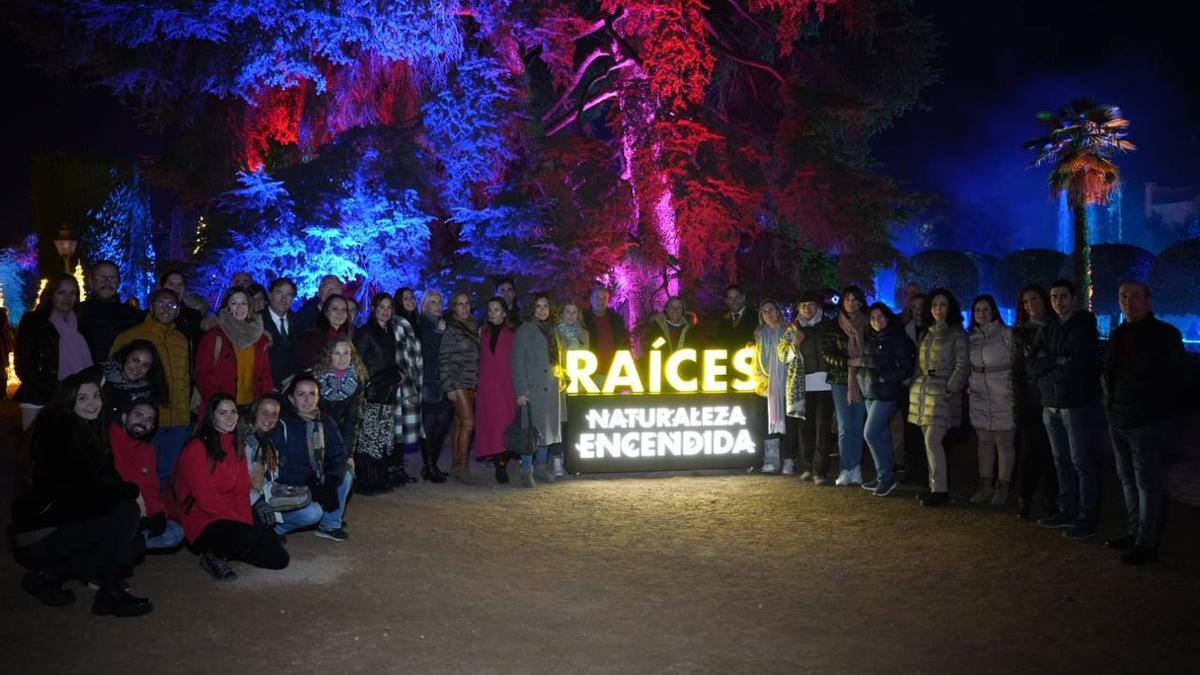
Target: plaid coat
411, 360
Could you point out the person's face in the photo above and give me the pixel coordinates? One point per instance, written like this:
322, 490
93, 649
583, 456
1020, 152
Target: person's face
87, 401
65, 297
327, 288
600, 298
281, 299
1032, 302
225, 418
408, 300
918, 307
267, 416
136, 365
541, 309
384, 311
242, 280
907, 294
506, 291
851, 303
1134, 303
336, 312
940, 308
770, 314
140, 422
176, 283
104, 281
570, 315
461, 306
340, 357
808, 310
983, 313
305, 398
1061, 300
878, 320
239, 306
496, 313
164, 309
432, 305
734, 300
674, 311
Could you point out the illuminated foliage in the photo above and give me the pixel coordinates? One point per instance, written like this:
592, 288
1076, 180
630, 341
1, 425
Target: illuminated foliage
122, 231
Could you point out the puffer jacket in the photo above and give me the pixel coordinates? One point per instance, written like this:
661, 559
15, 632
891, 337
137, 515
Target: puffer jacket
888, 358
941, 374
1026, 395
458, 356
989, 389
36, 358
657, 327
175, 352
835, 352
1066, 362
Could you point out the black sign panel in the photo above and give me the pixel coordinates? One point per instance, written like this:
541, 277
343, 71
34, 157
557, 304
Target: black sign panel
663, 432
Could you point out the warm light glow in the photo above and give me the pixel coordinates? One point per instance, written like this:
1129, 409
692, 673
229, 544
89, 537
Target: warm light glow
674, 379
714, 370
624, 377
623, 374
78, 274
13, 380
580, 367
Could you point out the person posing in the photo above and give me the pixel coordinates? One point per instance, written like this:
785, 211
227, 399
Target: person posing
50, 347
496, 404
1036, 462
77, 518
605, 328
934, 397
1066, 362
408, 434
134, 373
210, 489
280, 323
1142, 395
571, 332
171, 347
333, 322
506, 290
736, 328
376, 343
102, 317
311, 453
535, 384
772, 374
989, 393
134, 458
436, 409
343, 378
808, 377
911, 439
262, 459
232, 356
672, 325
888, 358
189, 318
458, 359
310, 312
842, 351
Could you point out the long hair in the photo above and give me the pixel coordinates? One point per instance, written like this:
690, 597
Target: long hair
323, 321
1022, 315
857, 292
326, 363
887, 313
211, 437
487, 323
953, 315
46, 298
269, 456
427, 296
398, 308
156, 375
553, 318
991, 303
60, 410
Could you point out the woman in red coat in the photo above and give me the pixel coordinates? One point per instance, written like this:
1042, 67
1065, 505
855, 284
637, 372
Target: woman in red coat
495, 400
232, 357
211, 494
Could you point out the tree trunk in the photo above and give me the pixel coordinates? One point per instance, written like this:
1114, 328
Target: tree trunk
1083, 252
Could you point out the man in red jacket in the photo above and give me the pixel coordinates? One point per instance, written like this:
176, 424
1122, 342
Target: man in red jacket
136, 462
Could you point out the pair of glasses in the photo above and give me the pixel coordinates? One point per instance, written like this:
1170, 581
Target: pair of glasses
167, 305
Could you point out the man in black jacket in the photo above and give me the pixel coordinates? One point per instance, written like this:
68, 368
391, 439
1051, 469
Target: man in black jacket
102, 317
1142, 393
1065, 360
735, 328
279, 321
606, 329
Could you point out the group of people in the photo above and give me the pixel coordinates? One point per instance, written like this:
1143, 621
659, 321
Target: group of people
233, 429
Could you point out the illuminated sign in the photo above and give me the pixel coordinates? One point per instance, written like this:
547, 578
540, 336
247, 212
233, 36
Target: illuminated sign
623, 375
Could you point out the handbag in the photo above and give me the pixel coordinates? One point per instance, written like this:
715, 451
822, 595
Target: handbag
286, 498
383, 387
521, 436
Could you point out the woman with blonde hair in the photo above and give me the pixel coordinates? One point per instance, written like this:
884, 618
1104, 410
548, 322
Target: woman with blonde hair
458, 372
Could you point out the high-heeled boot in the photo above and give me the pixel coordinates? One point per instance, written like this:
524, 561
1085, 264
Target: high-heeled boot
429, 467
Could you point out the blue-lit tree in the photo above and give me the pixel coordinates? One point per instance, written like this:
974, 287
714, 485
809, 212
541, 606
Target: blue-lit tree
122, 231
18, 275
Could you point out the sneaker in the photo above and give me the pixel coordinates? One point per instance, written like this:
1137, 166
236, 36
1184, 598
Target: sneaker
856, 476
217, 567
120, 602
1080, 532
541, 473
1057, 521
843, 479
340, 534
770, 468
870, 486
47, 589
557, 469
807, 475
885, 488
1125, 543
527, 480
789, 467
1140, 555
820, 481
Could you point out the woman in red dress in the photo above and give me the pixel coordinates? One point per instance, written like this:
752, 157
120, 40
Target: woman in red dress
495, 402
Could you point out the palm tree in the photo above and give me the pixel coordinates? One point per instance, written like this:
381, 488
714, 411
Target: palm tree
1079, 145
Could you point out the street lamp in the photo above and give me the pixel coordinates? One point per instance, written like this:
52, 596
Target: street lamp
65, 244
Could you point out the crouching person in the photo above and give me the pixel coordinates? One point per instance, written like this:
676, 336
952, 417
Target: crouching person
210, 488
311, 453
137, 463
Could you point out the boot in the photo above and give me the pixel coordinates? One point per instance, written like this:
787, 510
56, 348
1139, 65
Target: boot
527, 480
463, 475
556, 464
1000, 498
501, 471
541, 472
984, 494
112, 600
47, 588
770, 456
429, 463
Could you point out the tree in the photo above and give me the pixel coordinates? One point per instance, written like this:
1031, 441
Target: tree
1079, 144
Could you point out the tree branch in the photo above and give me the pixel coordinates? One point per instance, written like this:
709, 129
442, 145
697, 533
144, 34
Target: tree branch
746, 60
575, 80
574, 114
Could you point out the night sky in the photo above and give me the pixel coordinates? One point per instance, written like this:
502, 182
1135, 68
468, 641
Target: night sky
1001, 63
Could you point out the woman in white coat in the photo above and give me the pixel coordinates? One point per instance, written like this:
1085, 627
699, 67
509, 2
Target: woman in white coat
990, 395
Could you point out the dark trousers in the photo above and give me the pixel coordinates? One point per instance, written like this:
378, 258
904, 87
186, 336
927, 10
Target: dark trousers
1139, 454
816, 438
103, 547
791, 439
1035, 461
254, 544
435, 419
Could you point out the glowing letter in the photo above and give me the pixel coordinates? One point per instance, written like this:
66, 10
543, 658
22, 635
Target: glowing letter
714, 371
581, 365
672, 371
743, 362
623, 373
656, 369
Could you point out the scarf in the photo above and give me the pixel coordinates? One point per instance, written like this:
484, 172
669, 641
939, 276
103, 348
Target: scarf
73, 352
854, 329
547, 332
241, 333
314, 433
772, 368
572, 335
808, 324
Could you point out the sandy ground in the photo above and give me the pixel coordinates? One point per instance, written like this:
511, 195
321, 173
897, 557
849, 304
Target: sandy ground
664, 574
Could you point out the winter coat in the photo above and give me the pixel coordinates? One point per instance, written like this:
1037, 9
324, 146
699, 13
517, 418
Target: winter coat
1066, 362
888, 359
175, 353
1144, 373
1026, 394
376, 347
835, 352
615, 323
989, 389
431, 344
411, 359
533, 376
216, 367
458, 356
733, 336
36, 359
204, 491
796, 367
943, 366
495, 402
295, 466
137, 463
657, 327
813, 347
282, 352
101, 321
311, 347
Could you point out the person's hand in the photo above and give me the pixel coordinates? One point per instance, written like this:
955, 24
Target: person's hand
141, 506
414, 399
799, 338
522, 400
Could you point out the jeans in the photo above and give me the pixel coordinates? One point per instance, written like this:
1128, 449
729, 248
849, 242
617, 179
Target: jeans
171, 537
1139, 454
313, 514
168, 445
850, 421
1074, 450
935, 458
332, 520
539, 456
878, 433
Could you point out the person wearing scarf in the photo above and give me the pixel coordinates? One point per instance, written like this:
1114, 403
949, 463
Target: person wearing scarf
50, 347
772, 370
232, 356
571, 332
1035, 463
842, 351
534, 358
